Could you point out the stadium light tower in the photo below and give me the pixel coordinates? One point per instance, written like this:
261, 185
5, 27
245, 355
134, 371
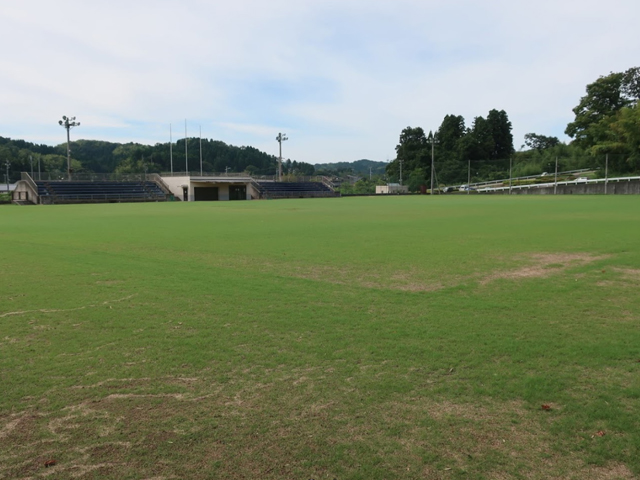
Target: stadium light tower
68, 123
282, 137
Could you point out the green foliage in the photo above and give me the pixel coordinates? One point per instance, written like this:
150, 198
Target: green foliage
105, 157
540, 142
362, 186
358, 167
413, 151
488, 143
606, 117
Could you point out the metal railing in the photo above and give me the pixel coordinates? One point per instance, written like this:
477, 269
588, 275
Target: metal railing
564, 182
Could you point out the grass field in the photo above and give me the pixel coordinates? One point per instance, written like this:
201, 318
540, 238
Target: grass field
355, 338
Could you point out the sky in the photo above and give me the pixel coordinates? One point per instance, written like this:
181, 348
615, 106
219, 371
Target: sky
340, 78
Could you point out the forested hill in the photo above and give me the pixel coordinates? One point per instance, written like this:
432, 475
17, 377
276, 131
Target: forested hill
361, 167
105, 157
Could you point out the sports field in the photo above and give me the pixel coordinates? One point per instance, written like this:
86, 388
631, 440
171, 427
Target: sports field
354, 338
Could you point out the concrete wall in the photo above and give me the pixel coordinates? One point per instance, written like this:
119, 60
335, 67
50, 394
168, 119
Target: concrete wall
388, 189
23, 192
175, 185
631, 187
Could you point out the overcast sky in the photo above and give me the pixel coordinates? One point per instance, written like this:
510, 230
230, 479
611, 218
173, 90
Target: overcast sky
341, 78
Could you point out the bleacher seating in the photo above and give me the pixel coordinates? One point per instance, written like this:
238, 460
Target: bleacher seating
294, 189
81, 192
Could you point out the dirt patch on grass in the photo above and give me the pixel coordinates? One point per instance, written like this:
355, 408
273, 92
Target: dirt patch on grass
628, 274
462, 435
541, 265
44, 310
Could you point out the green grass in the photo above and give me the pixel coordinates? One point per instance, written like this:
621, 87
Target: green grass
355, 338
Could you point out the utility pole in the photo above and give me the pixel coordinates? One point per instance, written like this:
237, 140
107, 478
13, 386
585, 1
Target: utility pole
555, 185
200, 150
606, 172
170, 150
281, 138
510, 174
7, 165
186, 151
68, 123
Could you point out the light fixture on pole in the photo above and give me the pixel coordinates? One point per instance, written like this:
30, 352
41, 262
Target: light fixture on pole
68, 123
282, 137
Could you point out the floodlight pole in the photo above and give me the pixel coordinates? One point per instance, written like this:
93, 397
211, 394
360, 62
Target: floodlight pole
68, 123
39, 176
469, 179
400, 171
433, 141
200, 150
31, 162
280, 138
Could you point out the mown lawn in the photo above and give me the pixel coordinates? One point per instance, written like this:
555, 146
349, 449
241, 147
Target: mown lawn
354, 338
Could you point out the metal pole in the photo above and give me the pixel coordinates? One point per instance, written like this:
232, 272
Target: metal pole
606, 173
68, 154
7, 164
400, 171
170, 149
200, 150
555, 185
469, 179
31, 162
186, 152
280, 138
432, 160
510, 173
280, 158
39, 176
68, 123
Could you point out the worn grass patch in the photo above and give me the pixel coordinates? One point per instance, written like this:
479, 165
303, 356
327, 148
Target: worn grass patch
361, 338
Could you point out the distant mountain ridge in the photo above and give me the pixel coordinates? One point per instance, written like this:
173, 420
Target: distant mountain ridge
359, 166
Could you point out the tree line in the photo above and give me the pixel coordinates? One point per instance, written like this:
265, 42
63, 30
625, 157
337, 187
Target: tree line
606, 129
95, 156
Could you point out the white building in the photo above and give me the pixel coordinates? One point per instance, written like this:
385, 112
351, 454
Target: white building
390, 188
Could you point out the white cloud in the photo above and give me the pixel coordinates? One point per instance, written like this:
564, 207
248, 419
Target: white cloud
341, 77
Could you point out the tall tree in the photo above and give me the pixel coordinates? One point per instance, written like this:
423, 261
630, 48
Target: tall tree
412, 150
500, 128
539, 142
606, 96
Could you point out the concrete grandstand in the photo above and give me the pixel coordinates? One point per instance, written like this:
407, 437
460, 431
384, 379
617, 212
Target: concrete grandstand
156, 188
